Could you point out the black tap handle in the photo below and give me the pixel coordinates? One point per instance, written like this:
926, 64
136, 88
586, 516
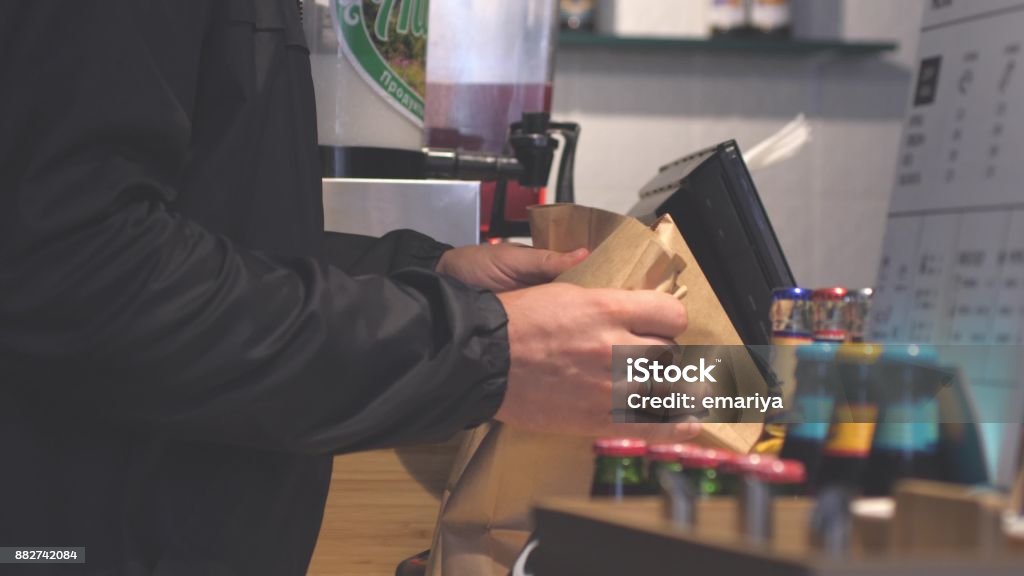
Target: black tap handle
565, 188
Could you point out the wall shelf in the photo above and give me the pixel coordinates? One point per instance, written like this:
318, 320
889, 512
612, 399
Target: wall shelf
794, 47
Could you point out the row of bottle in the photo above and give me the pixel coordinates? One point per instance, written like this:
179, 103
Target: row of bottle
864, 416
860, 415
834, 314
625, 467
684, 474
751, 18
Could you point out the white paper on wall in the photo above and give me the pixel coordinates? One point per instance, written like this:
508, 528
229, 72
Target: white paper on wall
952, 268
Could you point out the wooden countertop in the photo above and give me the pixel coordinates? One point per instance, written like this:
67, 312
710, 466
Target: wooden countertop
378, 513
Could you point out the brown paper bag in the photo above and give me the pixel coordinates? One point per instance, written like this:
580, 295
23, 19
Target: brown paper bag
500, 471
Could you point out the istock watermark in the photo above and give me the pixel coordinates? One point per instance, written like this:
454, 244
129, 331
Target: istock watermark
644, 370
690, 382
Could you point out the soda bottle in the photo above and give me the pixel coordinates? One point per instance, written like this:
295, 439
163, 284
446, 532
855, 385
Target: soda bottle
791, 328
858, 305
907, 439
619, 468
790, 316
828, 307
813, 404
666, 457
705, 471
846, 452
761, 477
830, 522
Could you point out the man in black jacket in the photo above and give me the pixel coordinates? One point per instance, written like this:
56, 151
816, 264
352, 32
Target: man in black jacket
182, 348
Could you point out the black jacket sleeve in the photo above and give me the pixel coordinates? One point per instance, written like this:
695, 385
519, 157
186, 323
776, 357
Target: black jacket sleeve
119, 309
359, 255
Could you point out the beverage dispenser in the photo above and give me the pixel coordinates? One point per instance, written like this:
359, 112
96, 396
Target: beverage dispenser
441, 127
487, 64
368, 60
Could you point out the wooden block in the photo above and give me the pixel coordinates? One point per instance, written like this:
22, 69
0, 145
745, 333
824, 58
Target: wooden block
1015, 536
932, 516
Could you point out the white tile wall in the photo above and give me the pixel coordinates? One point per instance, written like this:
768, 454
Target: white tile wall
640, 109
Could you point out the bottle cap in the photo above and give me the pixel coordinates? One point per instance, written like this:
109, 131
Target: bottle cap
794, 293
828, 311
859, 353
620, 447
772, 470
817, 351
832, 293
707, 458
921, 354
670, 452
863, 295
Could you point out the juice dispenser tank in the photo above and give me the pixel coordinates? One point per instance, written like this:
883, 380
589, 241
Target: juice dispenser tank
487, 64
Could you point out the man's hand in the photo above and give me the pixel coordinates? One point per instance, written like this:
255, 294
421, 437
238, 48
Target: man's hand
561, 338
503, 267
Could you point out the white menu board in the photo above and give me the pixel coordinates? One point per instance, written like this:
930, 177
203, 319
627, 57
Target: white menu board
952, 269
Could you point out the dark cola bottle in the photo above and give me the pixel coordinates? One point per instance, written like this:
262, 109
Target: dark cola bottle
854, 419
906, 442
813, 405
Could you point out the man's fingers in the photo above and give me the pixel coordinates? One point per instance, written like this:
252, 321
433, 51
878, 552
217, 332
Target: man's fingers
649, 313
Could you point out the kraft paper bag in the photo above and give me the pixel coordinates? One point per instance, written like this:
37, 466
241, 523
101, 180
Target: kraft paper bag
501, 471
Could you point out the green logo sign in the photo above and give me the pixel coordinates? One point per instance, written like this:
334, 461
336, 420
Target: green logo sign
386, 41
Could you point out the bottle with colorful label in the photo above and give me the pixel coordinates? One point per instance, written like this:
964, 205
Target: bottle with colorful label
828, 313
791, 316
858, 306
907, 439
791, 328
854, 418
817, 383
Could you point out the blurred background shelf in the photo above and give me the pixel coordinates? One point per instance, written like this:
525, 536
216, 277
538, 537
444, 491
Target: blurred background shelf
794, 46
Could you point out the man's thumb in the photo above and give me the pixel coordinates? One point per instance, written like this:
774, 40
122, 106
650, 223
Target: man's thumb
555, 263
